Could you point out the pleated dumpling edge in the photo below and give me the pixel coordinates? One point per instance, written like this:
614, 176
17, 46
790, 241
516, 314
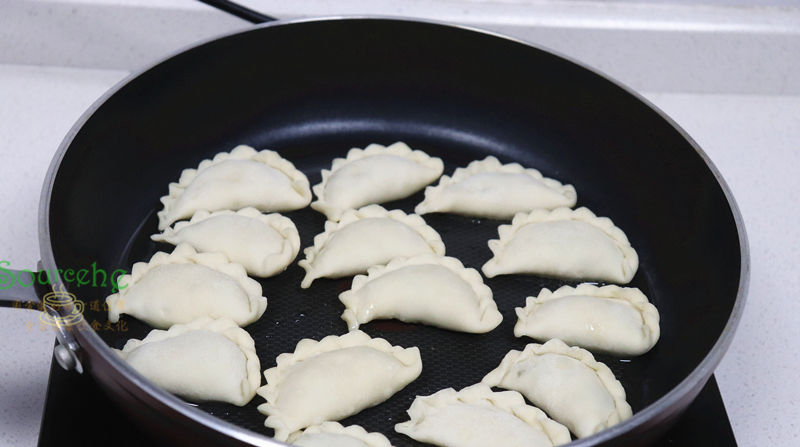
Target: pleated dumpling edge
585, 402
261, 252
153, 312
299, 193
488, 188
428, 289
201, 389
389, 368
518, 422
427, 240
412, 170
610, 319
562, 250
317, 436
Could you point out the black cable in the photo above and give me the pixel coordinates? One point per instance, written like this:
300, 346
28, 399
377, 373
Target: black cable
239, 11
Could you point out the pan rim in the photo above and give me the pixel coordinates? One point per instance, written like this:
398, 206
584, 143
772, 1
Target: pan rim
91, 342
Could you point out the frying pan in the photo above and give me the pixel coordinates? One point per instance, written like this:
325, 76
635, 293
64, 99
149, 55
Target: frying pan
312, 89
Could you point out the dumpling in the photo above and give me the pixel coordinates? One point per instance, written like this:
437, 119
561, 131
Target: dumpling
487, 188
375, 174
608, 319
567, 383
185, 285
333, 434
234, 180
366, 237
205, 360
332, 379
429, 289
564, 243
264, 244
476, 416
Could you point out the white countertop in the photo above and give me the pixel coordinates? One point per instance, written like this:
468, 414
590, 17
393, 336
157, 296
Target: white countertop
753, 139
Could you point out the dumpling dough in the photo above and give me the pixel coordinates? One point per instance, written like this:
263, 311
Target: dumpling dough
429, 289
487, 188
185, 285
478, 417
567, 383
264, 244
375, 174
205, 360
332, 379
608, 319
366, 237
234, 180
333, 434
564, 243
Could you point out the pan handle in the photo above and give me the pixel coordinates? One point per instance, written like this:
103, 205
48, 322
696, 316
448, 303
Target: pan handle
20, 288
26, 289
239, 11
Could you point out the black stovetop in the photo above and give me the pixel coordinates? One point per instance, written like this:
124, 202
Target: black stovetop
77, 412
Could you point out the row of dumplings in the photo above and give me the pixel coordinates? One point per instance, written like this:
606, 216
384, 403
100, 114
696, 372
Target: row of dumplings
402, 256
376, 174
407, 278
339, 376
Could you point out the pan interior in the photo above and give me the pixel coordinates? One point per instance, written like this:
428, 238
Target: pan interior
313, 90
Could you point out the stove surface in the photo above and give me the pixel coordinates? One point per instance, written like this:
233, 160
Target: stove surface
77, 412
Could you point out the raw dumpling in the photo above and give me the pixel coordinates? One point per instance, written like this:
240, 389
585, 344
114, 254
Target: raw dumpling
427, 289
366, 237
332, 379
478, 417
234, 180
205, 360
264, 244
333, 434
567, 383
185, 285
563, 243
609, 319
487, 188
375, 174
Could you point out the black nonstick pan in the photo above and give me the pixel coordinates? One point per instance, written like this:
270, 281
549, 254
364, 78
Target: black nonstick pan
311, 90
